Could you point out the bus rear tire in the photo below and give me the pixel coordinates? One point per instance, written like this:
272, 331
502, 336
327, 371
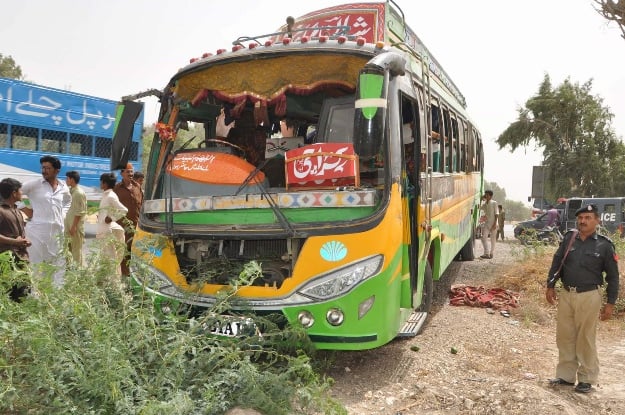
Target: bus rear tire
428, 291
467, 252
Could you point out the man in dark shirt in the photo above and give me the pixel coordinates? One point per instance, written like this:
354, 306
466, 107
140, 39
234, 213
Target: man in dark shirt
130, 195
580, 263
12, 234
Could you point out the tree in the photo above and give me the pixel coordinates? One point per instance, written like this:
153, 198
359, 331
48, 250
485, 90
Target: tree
580, 148
9, 69
614, 11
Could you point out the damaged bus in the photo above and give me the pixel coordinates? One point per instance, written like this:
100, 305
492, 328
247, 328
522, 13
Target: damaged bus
352, 216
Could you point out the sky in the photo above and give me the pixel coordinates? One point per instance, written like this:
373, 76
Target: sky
496, 52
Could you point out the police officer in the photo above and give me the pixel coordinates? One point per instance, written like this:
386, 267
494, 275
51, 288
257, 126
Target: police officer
579, 263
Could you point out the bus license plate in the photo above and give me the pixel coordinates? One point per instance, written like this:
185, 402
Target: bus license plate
231, 327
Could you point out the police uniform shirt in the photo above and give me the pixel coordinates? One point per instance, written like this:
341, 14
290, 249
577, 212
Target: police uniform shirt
586, 262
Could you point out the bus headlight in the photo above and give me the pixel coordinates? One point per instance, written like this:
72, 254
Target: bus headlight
152, 279
335, 316
343, 280
306, 319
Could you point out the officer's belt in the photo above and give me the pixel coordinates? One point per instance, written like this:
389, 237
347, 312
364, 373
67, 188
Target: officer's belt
581, 288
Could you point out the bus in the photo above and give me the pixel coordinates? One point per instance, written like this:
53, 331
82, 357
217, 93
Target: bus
353, 221
78, 129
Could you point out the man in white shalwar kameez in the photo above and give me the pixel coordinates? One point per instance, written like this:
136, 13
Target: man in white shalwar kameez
50, 200
110, 211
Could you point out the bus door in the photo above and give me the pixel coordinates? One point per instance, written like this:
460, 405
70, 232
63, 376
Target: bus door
412, 160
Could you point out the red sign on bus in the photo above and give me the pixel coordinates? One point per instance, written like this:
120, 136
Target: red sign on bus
322, 165
364, 20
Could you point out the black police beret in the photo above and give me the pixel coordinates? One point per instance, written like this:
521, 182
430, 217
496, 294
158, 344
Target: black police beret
588, 208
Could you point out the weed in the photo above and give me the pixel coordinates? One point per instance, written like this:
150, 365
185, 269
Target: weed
92, 347
529, 274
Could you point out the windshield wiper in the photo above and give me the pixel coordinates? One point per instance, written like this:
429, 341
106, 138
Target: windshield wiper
284, 221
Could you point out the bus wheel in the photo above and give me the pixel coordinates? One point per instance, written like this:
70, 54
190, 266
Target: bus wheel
467, 253
428, 291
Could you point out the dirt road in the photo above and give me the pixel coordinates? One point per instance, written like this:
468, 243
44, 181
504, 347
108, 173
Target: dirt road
501, 365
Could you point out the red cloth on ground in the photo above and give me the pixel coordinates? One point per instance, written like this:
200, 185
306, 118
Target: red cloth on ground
497, 298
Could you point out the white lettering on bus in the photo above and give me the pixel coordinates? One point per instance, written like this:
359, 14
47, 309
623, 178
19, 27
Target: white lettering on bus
317, 166
193, 162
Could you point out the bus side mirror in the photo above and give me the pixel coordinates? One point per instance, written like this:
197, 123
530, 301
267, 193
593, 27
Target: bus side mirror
126, 114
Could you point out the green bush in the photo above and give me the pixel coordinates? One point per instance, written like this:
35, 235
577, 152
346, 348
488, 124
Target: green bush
92, 347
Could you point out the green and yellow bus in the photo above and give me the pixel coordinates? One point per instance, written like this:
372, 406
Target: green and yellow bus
353, 218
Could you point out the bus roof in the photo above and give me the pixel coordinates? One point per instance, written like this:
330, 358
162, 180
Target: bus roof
375, 23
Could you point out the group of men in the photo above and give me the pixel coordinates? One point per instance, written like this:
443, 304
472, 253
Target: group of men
56, 215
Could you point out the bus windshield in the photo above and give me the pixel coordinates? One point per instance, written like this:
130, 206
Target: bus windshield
265, 154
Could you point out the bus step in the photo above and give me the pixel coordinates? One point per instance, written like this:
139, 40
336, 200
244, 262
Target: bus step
413, 325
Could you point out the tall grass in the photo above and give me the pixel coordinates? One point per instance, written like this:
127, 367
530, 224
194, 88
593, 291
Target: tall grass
528, 276
93, 347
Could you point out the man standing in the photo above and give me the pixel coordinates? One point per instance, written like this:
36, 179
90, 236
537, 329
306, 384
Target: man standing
501, 222
12, 233
111, 210
50, 200
553, 216
75, 218
139, 177
580, 262
489, 224
130, 195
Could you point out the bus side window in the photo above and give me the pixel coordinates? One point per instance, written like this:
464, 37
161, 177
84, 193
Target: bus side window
436, 139
447, 143
4, 135
462, 137
456, 155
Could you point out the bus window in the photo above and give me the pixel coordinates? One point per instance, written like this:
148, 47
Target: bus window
436, 139
447, 142
336, 121
455, 149
463, 147
53, 141
103, 147
479, 152
24, 138
475, 151
421, 129
4, 135
409, 131
80, 144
